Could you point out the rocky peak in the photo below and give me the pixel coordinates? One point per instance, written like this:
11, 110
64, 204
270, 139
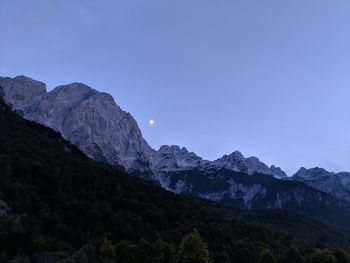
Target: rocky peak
21, 90
237, 162
277, 172
336, 184
89, 119
93, 122
173, 157
257, 166
313, 173
234, 161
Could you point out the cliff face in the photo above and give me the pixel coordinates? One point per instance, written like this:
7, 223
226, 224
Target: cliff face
89, 119
336, 184
93, 122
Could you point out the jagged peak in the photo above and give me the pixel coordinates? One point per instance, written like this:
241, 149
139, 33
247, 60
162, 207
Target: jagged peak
21, 90
313, 173
236, 153
73, 87
253, 159
29, 82
173, 148
25, 78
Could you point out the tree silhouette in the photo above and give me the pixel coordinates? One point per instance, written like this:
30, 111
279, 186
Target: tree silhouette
323, 256
193, 249
293, 255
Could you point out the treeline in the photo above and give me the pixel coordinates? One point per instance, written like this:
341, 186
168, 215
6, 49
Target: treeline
192, 249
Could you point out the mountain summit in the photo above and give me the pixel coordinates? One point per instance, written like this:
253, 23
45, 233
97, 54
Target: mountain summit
89, 119
336, 184
93, 122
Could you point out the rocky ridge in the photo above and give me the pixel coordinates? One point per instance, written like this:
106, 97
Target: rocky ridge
89, 119
336, 184
93, 122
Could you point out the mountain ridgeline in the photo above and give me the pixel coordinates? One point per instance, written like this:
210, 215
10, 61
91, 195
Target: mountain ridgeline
64, 207
336, 184
93, 122
58, 205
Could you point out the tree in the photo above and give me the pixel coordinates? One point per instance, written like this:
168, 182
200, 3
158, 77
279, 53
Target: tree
107, 250
293, 255
341, 256
266, 256
323, 256
193, 249
244, 251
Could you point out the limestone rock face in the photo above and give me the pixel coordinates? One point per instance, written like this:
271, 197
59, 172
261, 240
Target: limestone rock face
237, 162
234, 161
171, 158
89, 119
93, 122
336, 184
21, 91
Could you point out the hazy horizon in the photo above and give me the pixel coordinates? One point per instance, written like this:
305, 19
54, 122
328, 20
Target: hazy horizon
268, 79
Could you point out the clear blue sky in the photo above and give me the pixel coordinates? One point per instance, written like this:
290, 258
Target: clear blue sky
269, 78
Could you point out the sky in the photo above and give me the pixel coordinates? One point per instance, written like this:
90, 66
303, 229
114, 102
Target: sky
268, 78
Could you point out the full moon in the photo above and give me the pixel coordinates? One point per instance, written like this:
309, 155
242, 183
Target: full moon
151, 122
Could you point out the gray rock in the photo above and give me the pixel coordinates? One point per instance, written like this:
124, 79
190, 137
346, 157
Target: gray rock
89, 119
93, 122
172, 158
21, 91
336, 184
237, 162
251, 192
234, 161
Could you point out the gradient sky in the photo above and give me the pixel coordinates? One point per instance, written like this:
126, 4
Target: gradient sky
269, 78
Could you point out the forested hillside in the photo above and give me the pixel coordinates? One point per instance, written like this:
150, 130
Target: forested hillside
64, 205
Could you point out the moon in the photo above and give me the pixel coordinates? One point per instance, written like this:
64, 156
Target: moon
151, 122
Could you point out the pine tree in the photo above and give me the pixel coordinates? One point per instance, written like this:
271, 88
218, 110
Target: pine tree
193, 249
266, 256
341, 256
323, 256
293, 255
107, 250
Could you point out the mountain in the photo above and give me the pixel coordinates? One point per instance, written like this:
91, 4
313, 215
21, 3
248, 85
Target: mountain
93, 122
336, 184
58, 200
236, 182
89, 119
237, 162
236, 189
172, 158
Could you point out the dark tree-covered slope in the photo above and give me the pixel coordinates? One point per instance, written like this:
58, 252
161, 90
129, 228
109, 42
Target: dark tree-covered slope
59, 198
258, 191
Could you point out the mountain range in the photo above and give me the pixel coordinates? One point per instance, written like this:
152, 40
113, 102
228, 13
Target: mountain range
62, 206
92, 121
